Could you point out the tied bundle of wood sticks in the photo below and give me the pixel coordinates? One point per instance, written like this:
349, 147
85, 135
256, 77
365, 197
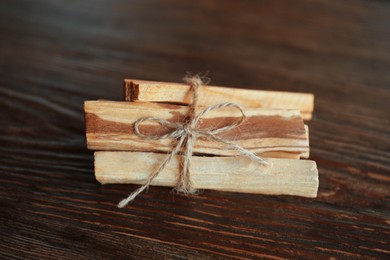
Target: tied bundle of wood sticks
193, 136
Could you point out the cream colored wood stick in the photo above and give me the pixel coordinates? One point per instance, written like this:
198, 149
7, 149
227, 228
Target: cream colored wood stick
235, 174
109, 126
168, 92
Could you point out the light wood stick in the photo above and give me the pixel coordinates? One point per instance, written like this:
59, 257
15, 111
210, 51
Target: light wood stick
109, 126
154, 91
236, 174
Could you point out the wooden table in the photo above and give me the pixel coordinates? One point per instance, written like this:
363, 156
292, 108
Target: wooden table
56, 54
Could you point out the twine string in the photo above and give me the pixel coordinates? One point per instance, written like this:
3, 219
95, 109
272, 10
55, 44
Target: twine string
187, 133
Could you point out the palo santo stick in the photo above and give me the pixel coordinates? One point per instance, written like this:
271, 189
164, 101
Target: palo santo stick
167, 92
109, 126
236, 174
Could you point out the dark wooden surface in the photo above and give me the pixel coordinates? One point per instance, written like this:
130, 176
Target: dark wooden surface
56, 54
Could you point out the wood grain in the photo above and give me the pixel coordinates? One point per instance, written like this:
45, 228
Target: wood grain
179, 93
56, 54
234, 174
110, 126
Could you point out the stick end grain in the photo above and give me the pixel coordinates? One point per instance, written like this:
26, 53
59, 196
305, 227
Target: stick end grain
97, 168
130, 90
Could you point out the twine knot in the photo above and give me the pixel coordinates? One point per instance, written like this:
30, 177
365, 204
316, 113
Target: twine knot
186, 133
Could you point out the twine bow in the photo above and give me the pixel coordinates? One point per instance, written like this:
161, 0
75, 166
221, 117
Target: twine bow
187, 133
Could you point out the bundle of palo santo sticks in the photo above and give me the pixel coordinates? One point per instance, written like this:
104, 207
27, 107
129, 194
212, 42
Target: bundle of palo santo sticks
273, 129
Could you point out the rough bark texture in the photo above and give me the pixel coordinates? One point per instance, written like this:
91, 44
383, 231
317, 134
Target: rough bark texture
110, 126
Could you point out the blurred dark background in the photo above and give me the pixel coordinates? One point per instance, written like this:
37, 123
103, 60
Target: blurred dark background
56, 54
